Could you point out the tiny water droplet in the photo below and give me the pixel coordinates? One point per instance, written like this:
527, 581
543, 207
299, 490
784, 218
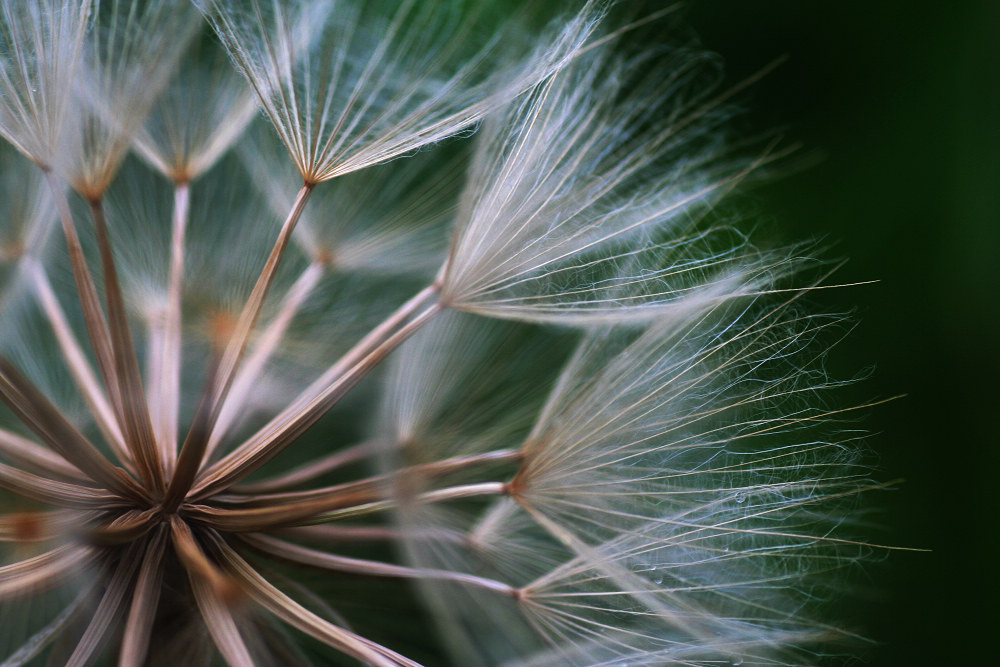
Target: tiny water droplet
741, 497
736, 660
658, 580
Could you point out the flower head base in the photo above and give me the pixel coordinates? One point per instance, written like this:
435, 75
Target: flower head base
188, 427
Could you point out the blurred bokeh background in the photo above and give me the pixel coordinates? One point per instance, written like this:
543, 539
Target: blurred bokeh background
897, 106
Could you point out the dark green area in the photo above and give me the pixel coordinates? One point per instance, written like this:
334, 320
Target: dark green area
899, 102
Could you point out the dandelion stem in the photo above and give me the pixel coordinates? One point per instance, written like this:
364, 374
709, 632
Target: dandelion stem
282, 606
320, 396
313, 558
133, 408
36, 412
166, 410
336, 505
107, 609
311, 471
75, 359
374, 483
264, 347
251, 311
145, 597
27, 454
56, 628
44, 571
93, 315
211, 589
192, 453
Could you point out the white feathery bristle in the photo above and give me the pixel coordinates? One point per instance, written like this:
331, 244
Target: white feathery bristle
40, 44
127, 60
390, 221
202, 113
586, 200
351, 84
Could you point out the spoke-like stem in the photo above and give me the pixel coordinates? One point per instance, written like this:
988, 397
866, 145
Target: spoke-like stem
321, 395
372, 486
55, 629
264, 347
77, 362
213, 591
251, 310
289, 611
353, 534
93, 315
33, 457
164, 387
192, 453
36, 412
310, 471
337, 505
50, 491
133, 408
108, 610
321, 559
145, 597
44, 571
126, 528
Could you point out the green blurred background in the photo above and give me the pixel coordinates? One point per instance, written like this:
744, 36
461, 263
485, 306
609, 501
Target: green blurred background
899, 102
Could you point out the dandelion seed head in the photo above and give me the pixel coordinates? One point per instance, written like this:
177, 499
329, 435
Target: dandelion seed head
248, 415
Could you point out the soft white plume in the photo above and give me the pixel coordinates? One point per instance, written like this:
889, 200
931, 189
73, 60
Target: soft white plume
350, 84
586, 200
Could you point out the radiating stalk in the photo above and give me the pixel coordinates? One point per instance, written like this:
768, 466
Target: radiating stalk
77, 362
133, 408
145, 597
310, 471
335, 506
164, 395
294, 614
313, 558
251, 310
375, 485
264, 347
93, 315
321, 395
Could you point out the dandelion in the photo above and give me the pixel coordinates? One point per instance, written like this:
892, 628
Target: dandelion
284, 373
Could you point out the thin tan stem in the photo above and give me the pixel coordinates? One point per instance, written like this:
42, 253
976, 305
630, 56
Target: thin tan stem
56, 628
335, 506
192, 453
50, 491
193, 558
374, 485
310, 471
108, 610
264, 347
165, 394
251, 311
36, 412
289, 611
126, 528
321, 559
35, 458
320, 396
44, 571
366, 533
93, 315
145, 597
133, 408
77, 362
212, 589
